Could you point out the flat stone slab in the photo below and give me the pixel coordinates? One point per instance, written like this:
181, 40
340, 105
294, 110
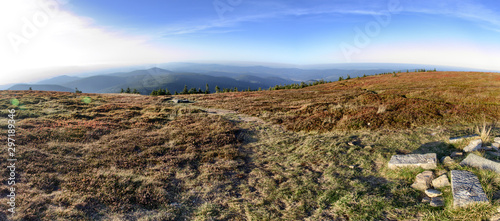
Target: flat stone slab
474, 145
460, 139
497, 139
426, 161
466, 189
474, 160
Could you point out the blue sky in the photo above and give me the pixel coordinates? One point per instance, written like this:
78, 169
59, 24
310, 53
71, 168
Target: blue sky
49, 37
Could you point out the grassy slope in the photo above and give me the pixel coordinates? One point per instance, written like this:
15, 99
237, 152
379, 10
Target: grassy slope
406, 101
132, 157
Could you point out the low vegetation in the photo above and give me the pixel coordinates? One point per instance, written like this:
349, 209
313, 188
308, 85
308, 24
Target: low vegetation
320, 154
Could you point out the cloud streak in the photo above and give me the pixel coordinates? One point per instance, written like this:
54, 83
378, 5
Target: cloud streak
263, 11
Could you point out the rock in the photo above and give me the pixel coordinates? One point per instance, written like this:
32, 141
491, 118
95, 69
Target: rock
447, 161
423, 181
368, 147
497, 139
441, 181
437, 201
459, 139
178, 101
426, 161
474, 145
474, 160
466, 189
350, 143
495, 217
488, 148
433, 193
494, 153
440, 172
495, 146
456, 154
426, 199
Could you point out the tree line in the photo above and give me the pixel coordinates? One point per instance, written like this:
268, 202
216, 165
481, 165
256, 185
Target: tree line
129, 91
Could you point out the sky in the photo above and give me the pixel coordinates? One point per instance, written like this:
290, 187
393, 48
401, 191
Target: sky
44, 38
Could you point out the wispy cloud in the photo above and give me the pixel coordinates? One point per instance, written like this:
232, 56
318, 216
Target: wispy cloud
214, 25
262, 11
471, 10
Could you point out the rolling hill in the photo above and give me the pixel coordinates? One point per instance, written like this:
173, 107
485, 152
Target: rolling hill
145, 81
59, 80
41, 87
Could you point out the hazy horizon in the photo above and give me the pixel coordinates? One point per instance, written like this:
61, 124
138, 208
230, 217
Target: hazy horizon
46, 38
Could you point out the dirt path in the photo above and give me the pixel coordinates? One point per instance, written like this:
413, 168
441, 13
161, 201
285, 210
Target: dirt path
238, 116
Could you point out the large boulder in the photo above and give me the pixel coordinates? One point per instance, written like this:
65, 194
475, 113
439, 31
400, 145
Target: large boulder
466, 189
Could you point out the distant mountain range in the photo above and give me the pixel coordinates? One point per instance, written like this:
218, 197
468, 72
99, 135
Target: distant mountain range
194, 75
41, 87
148, 80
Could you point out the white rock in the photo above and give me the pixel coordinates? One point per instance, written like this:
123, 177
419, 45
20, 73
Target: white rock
447, 161
433, 193
474, 160
497, 139
495, 146
441, 181
460, 139
423, 181
474, 145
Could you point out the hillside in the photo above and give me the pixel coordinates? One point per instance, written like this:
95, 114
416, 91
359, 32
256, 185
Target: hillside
317, 153
59, 80
408, 100
41, 87
145, 81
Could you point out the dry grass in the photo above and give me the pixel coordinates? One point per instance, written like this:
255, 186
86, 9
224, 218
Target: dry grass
484, 131
123, 157
408, 101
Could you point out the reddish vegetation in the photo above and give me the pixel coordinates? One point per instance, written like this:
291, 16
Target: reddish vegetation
406, 101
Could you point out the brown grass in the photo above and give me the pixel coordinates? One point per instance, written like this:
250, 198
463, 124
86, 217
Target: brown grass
129, 157
408, 101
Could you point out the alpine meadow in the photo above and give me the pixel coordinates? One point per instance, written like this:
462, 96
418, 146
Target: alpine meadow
249, 110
